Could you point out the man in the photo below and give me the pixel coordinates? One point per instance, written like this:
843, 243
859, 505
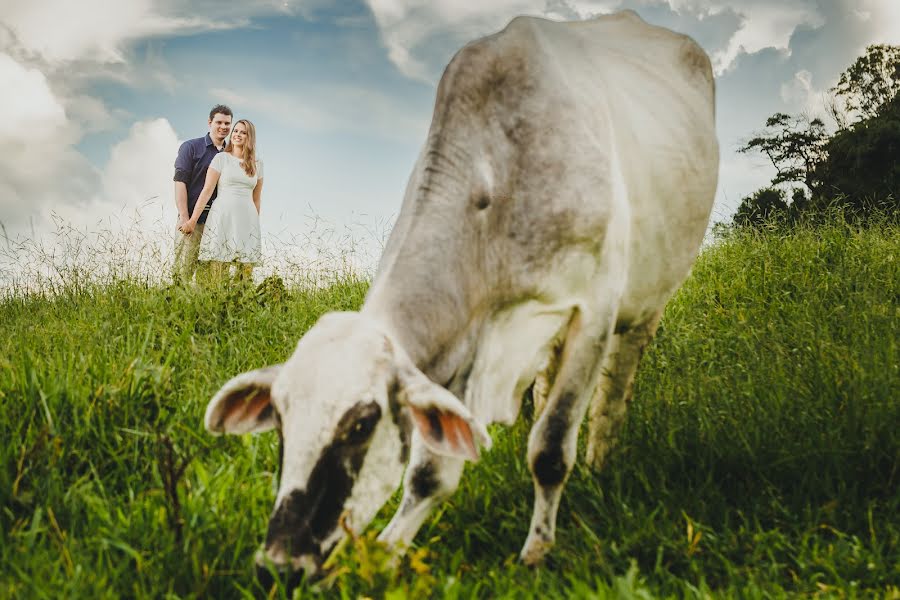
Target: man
191, 164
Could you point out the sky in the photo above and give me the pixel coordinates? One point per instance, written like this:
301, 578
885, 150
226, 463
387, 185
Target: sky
98, 95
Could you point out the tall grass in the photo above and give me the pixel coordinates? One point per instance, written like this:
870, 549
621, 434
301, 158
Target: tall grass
760, 456
131, 246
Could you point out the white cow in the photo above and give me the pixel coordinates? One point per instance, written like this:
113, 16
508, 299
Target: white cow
559, 200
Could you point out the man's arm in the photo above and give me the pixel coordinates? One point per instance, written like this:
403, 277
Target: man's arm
181, 202
184, 164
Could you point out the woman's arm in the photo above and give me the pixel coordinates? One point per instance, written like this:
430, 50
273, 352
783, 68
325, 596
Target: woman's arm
257, 194
212, 178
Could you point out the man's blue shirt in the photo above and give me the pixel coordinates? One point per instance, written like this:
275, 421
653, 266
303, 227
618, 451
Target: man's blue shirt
191, 165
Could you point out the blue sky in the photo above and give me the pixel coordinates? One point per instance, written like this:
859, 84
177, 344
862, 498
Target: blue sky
341, 94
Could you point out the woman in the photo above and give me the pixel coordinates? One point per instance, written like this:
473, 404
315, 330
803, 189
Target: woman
232, 227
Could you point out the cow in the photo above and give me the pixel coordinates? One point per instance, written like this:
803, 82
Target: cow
561, 197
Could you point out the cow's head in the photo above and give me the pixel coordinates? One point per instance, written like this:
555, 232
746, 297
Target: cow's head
346, 403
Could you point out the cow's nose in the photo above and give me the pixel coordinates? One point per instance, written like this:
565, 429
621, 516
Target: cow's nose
290, 579
264, 577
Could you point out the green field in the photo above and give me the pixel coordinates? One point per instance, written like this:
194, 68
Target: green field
761, 456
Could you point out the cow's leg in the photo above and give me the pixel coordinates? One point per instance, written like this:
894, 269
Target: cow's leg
553, 438
543, 381
607, 411
429, 480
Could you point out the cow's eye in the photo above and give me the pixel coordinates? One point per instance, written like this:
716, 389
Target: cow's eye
358, 423
362, 429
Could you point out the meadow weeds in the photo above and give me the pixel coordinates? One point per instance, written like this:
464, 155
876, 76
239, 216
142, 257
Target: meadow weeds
134, 248
759, 458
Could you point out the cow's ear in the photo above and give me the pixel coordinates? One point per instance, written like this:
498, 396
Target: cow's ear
445, 424
243, 404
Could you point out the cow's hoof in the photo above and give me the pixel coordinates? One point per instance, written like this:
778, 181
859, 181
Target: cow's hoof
595, 456
534, 551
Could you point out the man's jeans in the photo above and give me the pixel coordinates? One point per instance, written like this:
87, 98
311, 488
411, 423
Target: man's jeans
187, 249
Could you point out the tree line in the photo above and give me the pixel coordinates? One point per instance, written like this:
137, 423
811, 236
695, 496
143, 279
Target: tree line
854, 168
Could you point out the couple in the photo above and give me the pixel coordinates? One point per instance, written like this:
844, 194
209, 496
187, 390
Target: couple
225, 232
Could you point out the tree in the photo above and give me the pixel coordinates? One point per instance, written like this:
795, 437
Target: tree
794, 145
870, 82
762, 207
857, 169
863, 163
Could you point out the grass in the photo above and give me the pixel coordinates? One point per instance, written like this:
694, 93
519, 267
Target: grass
759, 459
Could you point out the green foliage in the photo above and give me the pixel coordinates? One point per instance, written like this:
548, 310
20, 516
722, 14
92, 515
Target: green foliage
764, 206
794, 145
863, 162
871, 81
857, 169
759, 459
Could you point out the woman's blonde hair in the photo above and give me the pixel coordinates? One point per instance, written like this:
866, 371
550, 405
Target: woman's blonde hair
248, 156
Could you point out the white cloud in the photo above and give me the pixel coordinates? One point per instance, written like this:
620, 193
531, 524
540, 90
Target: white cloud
410, 27
138, 175
43, 174
59, 31
123, 224
39, 166
406, 25
739, 176
68, 31
134, 186
765, 25
772, 23
801, 95
90, 114
885, 21
32, 109
133, 200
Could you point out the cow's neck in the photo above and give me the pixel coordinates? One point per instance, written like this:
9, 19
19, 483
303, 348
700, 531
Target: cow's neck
436, 328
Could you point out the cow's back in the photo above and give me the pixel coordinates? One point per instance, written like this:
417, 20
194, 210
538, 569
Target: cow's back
603, 127
653, 90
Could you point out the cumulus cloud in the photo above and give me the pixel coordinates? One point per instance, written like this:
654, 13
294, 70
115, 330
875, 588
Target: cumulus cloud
59, 31
137, 180
33, 109
420, 36
124, 222
133, 188
801, 92
46, 28
884, 15
39, 167
412, 31
765, 25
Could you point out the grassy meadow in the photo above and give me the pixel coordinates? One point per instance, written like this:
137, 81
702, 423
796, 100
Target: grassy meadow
760, 458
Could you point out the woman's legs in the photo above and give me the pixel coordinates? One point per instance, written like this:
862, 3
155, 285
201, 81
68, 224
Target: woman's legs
212, 272
217, 272
243, 272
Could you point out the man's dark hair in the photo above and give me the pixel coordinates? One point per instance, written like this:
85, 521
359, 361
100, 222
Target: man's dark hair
220, 108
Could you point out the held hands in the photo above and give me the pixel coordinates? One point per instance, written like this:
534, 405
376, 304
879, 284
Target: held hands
187, 226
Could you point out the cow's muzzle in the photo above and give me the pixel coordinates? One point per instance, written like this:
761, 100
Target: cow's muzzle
290, 572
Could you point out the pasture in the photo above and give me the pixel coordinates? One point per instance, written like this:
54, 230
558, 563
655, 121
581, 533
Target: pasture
760, 456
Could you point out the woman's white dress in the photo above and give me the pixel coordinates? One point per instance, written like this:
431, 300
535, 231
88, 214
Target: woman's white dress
232, 227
